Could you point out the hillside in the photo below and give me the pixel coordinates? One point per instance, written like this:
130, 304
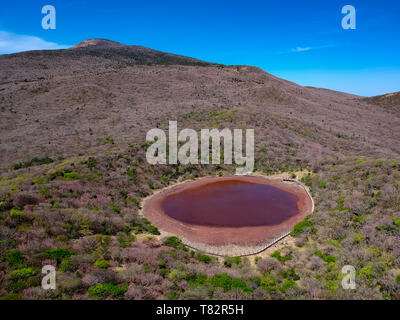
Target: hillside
73, 172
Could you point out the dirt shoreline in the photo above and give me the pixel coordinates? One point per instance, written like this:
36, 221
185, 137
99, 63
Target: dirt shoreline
226, 240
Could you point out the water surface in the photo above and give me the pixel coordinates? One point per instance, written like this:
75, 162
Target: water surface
231, 203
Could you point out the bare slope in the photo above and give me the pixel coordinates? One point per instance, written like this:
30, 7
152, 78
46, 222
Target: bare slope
66, 102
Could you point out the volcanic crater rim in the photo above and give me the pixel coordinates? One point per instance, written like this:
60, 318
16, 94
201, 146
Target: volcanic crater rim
227, 241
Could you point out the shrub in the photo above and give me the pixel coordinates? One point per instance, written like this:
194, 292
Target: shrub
176, 274
332, 285
134, 293
12, 296
150, 184
15, 258
267, 281
223, 281
204, 258
398, 279
288, 285
173, 295
135, 201
277, 255
32, 162
17, 213
71, 176
90, 162
307, 180
232, 261
116, 209
102, 264
322, 185
196, 279
44, 191
131, 172
65, 265
227, 283
24, 199
366, 272
290, 274
324, 257
153, 229
241, 285
23, 273
358, 237
38, 180
301, 226
107, 290
267, 264
58, 254
174, 242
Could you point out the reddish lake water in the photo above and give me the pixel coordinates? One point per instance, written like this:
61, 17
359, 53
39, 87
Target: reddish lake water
231, 203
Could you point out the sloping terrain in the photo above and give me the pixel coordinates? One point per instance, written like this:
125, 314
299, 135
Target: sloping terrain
390, 101
73, 171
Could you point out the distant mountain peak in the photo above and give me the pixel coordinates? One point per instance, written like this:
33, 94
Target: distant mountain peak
98, 43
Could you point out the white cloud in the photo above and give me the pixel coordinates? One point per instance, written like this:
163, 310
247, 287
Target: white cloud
11, 43
301, 49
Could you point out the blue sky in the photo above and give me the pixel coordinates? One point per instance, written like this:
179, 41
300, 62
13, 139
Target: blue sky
298, 40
